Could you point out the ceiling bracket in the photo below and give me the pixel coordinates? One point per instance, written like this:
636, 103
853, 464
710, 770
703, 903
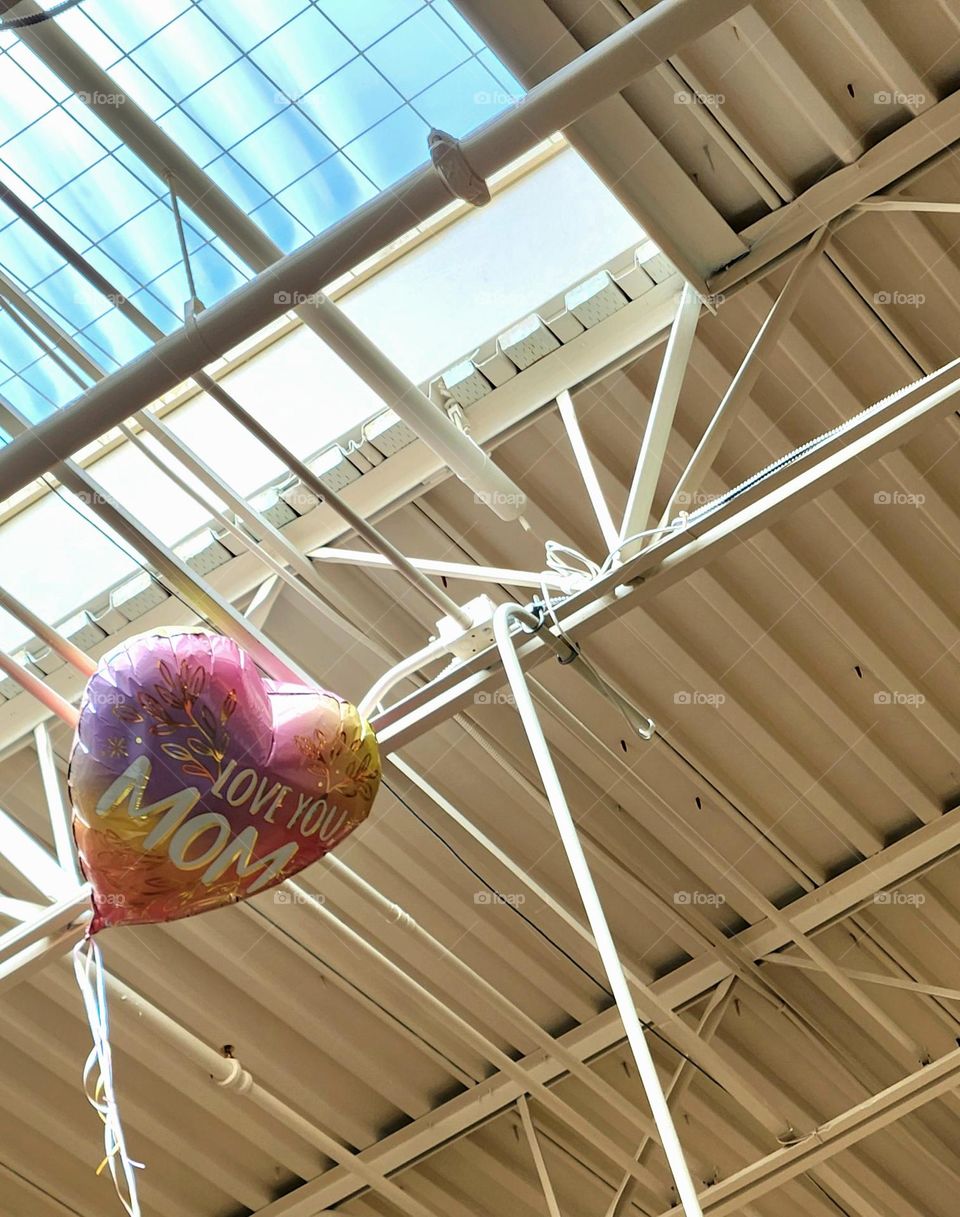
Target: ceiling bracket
458, 175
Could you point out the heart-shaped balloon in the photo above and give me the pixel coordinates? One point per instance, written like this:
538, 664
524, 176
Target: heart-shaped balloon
197, 782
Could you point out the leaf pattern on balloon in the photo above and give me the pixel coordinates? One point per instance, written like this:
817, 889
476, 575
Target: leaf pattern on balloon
173, 704
351, 762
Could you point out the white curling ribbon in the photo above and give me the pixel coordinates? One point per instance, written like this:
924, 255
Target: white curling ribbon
98, 1074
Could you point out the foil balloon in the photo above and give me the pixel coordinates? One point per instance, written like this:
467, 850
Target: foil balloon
196, 782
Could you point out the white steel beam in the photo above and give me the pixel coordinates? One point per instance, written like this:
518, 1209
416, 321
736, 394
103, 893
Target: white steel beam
549, 1195
836, 1135
730, 522
896, 155
495, 416
660, 421
834, 900
588, 474
746, 375
434, 566
822, 907
677, 1087
882, 202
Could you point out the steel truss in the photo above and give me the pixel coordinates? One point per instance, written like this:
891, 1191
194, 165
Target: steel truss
644, 569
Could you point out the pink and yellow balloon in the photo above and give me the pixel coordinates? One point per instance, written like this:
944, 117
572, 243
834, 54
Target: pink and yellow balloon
196, 782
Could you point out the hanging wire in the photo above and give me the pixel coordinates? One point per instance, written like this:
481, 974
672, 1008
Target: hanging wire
98, 1074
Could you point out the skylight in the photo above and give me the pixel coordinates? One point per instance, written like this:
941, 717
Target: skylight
300, 109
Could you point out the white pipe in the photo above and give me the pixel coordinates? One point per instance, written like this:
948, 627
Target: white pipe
464, 456
603, 938
591, 482
228, 1073
434, 649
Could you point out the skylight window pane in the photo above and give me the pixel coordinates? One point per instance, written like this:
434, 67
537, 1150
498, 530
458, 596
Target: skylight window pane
191, 138
213, 274
351, 101
463, 100
327, 193
235, 103
147, 245
51, 382
186, 54
249, 24
25, 398
18, 348
392, 148
237, 182
303, 52
160, 314
73, 297
136, 85
418, 53
363, 23
282, 150
99, 200
507, 80
16, 183
51, 152
458, 24
280, 225
61, 225
23, 101
117, 338
130, 24
116, 275
25, 256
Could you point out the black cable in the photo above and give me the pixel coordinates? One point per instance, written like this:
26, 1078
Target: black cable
19, 23
514, 907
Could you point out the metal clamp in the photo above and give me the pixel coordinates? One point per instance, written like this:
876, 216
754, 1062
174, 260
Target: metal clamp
457, 173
